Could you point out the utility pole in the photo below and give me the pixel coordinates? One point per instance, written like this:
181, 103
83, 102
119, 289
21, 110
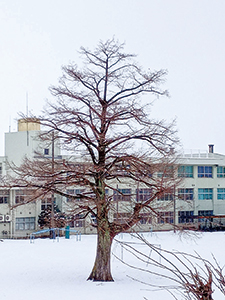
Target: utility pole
174, 209
53, 170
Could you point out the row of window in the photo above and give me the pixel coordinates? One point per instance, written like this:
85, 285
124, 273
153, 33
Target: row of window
162, 218
19, 198
203, 172
188, 172
203, 194
188, 216
126, 195
145, 194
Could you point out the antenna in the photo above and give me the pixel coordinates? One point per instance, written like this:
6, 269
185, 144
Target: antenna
27, 118
9, 123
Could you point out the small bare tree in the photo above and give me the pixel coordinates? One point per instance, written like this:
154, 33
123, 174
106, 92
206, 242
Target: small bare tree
99, 117
189, 275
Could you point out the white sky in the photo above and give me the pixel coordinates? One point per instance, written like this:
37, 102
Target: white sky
185, 37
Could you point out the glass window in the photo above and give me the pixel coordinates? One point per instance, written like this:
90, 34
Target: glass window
205, 213
143, 194
205, 194
22, 195
221, 194
4, 196
185, 194
25, 223
168, 172
185, 171
186, 216
74, 192
204, 172
46, 151
220, 172
77, 220
46, 203
122, 195
121, 218
166, 197
165, 217
145, 218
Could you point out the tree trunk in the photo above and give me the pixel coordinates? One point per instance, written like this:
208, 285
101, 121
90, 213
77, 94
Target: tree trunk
102, 267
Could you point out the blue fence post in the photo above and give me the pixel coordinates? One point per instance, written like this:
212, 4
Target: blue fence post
67, 232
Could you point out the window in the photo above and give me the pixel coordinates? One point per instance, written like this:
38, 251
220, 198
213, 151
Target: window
165, 217
0, 170
93, 219
185, 216
220, 172
221, 194
25, 223
166, 197
205, 213
204, 171
145, 218
46, 151
205, 194
121, 218
185, 194
4, 196
185, 171
46, 203
122, 195
143, 194
77, 221
167, 172
22, 195
75, 192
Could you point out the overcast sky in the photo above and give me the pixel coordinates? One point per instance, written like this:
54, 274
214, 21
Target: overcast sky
185, 37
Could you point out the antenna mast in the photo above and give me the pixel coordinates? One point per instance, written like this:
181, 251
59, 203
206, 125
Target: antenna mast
27, 118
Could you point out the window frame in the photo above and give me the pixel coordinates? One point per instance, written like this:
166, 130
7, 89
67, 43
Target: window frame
186, 194
185, 216
205, 172
74, 192
46, 151
222, 173
205, 213
183, 171
20, 195
165, 217
146, 218
25, 223
143, 194
206, 193
221, 191
4, 196
123, 194
166, 197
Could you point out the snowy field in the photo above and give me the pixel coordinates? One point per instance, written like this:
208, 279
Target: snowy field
48, 269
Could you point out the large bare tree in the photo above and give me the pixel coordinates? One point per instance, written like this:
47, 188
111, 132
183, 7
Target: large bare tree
100, 118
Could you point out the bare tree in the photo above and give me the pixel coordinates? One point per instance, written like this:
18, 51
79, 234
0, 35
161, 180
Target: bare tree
99, 117
189, 275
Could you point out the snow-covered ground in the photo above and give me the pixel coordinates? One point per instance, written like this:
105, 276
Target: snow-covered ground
48, 269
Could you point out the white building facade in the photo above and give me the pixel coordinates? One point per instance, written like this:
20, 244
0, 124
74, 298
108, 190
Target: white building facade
199, 201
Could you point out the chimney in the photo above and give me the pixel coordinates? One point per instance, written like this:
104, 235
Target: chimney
211, 148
